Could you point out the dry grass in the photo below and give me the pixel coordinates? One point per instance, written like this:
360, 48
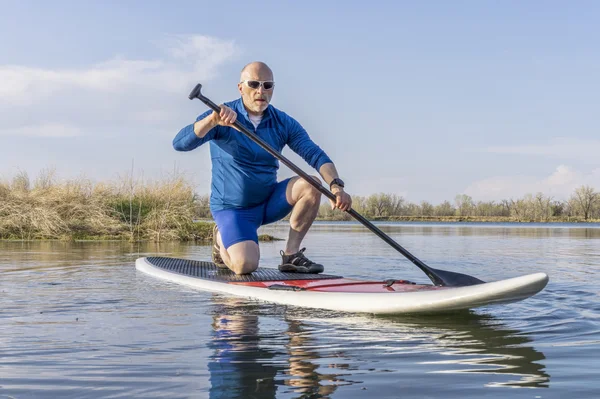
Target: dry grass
170, 209
130, 209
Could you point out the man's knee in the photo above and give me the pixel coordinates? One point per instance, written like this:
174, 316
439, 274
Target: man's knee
243, 257
316, 178
310, 190
243, 265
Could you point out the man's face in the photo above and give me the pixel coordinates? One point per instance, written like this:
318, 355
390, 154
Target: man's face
256, 99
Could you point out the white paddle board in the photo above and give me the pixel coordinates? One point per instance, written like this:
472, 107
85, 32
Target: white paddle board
341, 294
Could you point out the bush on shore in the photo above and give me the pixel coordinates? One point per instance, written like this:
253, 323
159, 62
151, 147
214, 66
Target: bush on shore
160, 210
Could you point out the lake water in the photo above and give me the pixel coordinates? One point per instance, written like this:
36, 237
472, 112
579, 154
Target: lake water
78, 321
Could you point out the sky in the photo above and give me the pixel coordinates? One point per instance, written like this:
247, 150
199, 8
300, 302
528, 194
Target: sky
427, 100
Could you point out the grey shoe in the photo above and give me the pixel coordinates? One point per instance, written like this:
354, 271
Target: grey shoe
216, 250
298, 263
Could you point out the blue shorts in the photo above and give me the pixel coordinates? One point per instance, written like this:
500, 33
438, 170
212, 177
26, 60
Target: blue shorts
237, 225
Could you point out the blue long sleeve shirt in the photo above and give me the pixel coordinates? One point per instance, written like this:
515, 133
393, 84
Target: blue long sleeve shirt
243, 174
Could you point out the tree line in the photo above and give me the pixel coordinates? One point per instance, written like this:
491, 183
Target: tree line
582, 205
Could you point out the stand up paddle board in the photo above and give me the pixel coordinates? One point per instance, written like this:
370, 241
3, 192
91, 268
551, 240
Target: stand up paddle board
324, 291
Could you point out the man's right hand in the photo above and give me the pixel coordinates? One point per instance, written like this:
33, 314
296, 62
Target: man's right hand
226, 117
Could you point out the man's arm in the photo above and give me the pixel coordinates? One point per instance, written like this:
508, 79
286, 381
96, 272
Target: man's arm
301, 144
328, 172
196, 134
203, 126
226, 117
343, 200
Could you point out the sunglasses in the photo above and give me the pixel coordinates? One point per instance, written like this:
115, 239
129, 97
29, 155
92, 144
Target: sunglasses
255, 84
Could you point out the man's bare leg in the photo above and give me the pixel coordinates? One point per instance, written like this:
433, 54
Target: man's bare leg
242, 257
306, 200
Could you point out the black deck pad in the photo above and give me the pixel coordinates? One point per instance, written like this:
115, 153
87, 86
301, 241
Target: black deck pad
208, 271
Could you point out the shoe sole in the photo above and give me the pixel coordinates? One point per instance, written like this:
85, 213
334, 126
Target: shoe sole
289, 268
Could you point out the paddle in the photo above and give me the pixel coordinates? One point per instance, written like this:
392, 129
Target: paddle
438, 277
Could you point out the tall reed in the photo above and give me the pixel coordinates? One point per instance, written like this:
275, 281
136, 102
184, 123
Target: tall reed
129, 208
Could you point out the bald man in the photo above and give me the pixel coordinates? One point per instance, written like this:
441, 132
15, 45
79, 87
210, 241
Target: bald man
245, 193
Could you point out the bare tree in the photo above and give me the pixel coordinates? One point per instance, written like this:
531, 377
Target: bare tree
426, 208
506, 207
558, 208
21, 183
464, 204
377, 204
396, 205
585, 198
542, 207
202, 206
413, 209
520, 209
489, 208
359, 204
445, 209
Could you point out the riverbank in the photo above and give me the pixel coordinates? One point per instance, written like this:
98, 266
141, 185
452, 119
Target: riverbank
81, 210
167, 209
201, 231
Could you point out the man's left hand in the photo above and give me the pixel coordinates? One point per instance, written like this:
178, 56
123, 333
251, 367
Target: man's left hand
343, 201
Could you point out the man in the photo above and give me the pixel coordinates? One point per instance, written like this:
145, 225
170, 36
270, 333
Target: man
245, 193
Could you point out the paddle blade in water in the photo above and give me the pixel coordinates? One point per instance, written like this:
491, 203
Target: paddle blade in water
453, 279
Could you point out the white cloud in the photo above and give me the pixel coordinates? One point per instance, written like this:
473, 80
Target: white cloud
207, 52
560, 184
560, 147
116, 94
43, 130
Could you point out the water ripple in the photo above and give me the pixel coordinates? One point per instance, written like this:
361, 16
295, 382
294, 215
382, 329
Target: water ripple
79, 322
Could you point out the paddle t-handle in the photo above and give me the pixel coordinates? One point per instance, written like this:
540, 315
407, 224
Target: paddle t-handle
438, 277
197, 93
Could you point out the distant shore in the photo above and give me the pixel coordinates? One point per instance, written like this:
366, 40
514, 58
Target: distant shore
169, 209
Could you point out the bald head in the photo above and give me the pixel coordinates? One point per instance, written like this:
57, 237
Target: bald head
256, 71
255, 95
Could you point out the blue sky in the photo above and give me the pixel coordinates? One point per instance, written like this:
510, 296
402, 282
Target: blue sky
422, 99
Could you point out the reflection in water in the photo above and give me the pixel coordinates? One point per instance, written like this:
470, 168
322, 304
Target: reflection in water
77, 317
464, 342
481, 344
244, 365
234, 369
303, 365
323, 353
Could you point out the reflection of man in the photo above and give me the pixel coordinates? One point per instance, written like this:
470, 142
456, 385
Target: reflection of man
303, 371
240, 367
245, 193
243, 367
245, 363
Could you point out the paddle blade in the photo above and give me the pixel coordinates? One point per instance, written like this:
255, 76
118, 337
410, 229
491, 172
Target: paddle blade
453, 279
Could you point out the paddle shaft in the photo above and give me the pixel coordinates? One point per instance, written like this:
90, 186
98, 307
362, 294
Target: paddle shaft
196, 93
